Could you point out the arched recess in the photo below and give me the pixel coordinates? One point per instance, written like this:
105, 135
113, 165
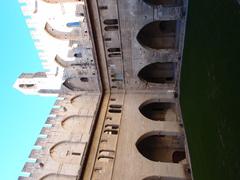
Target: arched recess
75, 84
157, 147
76, 100
159, 72
75, 123
153, 178
163, 2
67, 152
161, 178
59, 1
53, 176
158, 35
61, 62
158, 111
59, 34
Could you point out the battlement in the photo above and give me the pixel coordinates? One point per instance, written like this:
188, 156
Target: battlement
61, 35
62, 142
56, 28
116, 66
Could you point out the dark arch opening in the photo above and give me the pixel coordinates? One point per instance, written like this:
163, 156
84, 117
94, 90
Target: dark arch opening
178, 156
158, 72
160, 147
161, 178
157, 110
74, 84
163, 2
152, 178
158, 35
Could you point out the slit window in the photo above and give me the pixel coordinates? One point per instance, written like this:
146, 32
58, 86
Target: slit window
115, 110
26, 85
111, 131
107, 39
103, 7
105, 158
114, 55
77, 55
111, 28
112, 126
110, 21
84, 79
115, 106
76, 154
114, 50
114, 80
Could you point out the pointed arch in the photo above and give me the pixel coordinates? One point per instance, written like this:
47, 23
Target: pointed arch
60, 34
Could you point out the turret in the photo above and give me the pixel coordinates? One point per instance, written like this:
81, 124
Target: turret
38, 84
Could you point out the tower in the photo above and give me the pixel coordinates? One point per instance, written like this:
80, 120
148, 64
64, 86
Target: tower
115, 67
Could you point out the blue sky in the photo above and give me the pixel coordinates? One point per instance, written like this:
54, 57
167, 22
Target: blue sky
22, 117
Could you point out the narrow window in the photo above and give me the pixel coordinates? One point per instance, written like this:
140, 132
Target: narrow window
115, 106
111, 131
111, 28
77, 55
114, 49
114, 80
84, 79
103, 7
111, 126
107, 39
26, 85
110, 21
115, 110
114, 55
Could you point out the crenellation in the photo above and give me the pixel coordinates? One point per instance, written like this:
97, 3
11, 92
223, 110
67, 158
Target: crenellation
24, 178
28, 167
34, 154
62, 134
114, 67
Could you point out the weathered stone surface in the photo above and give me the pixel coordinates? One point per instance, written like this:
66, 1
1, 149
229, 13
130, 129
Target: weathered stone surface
105, 60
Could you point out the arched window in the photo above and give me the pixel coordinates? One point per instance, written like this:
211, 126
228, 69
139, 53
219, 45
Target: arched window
158, 72
158, 111
157, 147
158, 35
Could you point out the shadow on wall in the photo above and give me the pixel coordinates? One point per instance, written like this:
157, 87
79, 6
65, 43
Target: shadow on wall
160, 178
163, 2
158, 111
158, 72
161, 148
158, 35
